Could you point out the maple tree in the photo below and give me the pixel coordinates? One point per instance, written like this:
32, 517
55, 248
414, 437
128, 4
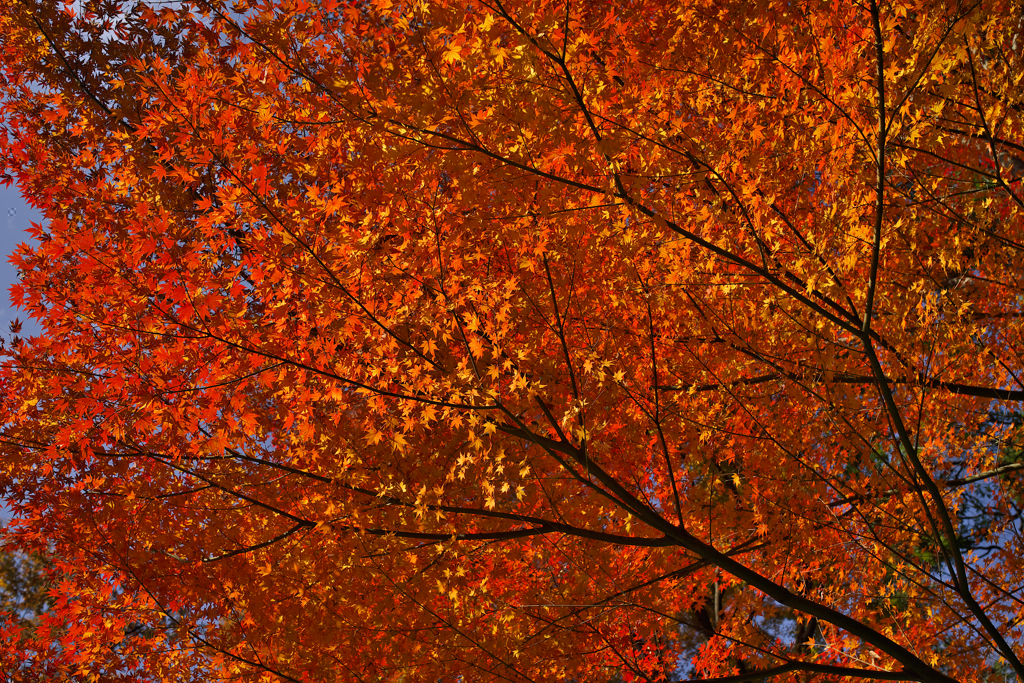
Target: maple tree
517, 341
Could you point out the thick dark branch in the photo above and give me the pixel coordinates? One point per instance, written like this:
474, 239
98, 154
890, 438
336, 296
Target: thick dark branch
949, 483
264, 544
876, 239
958, 388
541, 526
866, 674
548, 528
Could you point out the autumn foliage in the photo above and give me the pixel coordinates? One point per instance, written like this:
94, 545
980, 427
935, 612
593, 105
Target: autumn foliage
517, 340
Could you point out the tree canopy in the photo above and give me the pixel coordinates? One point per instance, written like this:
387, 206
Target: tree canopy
517, 340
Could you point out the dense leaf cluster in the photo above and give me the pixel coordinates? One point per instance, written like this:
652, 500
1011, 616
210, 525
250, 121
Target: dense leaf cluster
516, 340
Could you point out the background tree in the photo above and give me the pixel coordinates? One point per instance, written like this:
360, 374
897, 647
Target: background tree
23, 585
518, 341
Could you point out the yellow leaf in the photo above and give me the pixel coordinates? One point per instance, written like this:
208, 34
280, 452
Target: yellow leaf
453, 54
